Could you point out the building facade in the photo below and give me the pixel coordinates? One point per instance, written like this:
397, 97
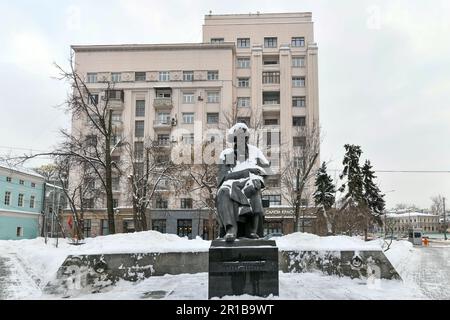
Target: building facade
22, 193
401, 223
260, 69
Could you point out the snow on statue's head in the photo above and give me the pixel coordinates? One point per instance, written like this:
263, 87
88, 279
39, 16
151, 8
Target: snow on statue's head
238, 130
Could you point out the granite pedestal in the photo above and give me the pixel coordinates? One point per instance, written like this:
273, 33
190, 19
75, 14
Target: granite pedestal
244, 266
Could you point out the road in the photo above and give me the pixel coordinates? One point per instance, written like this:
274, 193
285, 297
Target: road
432, 271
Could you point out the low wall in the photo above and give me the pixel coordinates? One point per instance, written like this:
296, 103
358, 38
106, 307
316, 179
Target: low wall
95, 272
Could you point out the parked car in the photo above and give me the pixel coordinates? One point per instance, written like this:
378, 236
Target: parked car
273, 235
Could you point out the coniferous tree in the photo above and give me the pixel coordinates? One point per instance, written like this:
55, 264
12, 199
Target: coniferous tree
324, 196
353, 202
372, 195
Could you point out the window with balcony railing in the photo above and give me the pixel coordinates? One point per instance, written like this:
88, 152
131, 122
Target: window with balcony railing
271, 77
271, 97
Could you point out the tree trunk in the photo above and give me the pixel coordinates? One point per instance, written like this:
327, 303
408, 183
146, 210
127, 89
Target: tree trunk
108, 178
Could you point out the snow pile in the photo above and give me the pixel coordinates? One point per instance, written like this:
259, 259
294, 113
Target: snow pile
399, 254
309, 242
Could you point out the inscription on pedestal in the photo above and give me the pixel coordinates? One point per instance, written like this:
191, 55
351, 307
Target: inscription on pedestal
243, 267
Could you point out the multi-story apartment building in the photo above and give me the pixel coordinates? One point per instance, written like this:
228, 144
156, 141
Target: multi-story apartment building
256, 68
21, 201
401, 223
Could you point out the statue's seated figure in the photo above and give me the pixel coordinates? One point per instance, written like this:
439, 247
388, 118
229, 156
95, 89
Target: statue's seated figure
240, 181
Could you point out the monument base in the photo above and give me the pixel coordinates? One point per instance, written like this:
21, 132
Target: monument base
245, 266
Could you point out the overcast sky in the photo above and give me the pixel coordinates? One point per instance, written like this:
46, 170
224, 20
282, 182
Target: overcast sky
384, 73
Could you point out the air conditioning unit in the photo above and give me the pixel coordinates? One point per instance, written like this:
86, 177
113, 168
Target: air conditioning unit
199, 98
174, 139
174, 122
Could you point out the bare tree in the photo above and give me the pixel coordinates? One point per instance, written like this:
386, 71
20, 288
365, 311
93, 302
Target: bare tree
298, 171
150, 167
93, 137
437, 204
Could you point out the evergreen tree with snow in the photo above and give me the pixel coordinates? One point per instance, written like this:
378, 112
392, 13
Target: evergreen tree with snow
373, 197
351, 212
324, 196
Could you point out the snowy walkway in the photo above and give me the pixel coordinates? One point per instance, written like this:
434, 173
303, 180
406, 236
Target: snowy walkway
15, 281
432, 271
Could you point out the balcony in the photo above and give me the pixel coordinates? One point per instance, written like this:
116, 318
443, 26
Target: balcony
271, 106
162, 124
115, 104
163, 103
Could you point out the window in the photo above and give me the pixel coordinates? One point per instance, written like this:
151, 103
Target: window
274, 200
21, 182
217, 40
184, 228
7, 198
270, 122
243, 63
243, 42
139, 129
32, 202
243, 102
33, 185
163, 118
91, 140
212, 118
139, 76
161, 203
298, 62
273, 182
115, 181
89, 183
104, 227
205, 233
128, 226
273, 138
115, 203
115, 94
299, 102
188, 138
139, 150
163, 139
140, 108
298, 121
271, 60
245, 120
298, 161
298, 42
243, 82
188, 97
298, 81
91, 78
299, 142
88, 203
93, 99
8, 179
271, 97
115, 77
270, 42
271, 77
20, 200
19, 232
164, 76
186, 203
188, 75
159, 225
188, 117
213, 97
163, 93
213, 75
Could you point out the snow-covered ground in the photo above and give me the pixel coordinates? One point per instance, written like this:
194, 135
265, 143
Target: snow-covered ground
32, 263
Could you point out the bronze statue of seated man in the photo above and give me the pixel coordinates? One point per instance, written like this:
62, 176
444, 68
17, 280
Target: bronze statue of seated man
240, 183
